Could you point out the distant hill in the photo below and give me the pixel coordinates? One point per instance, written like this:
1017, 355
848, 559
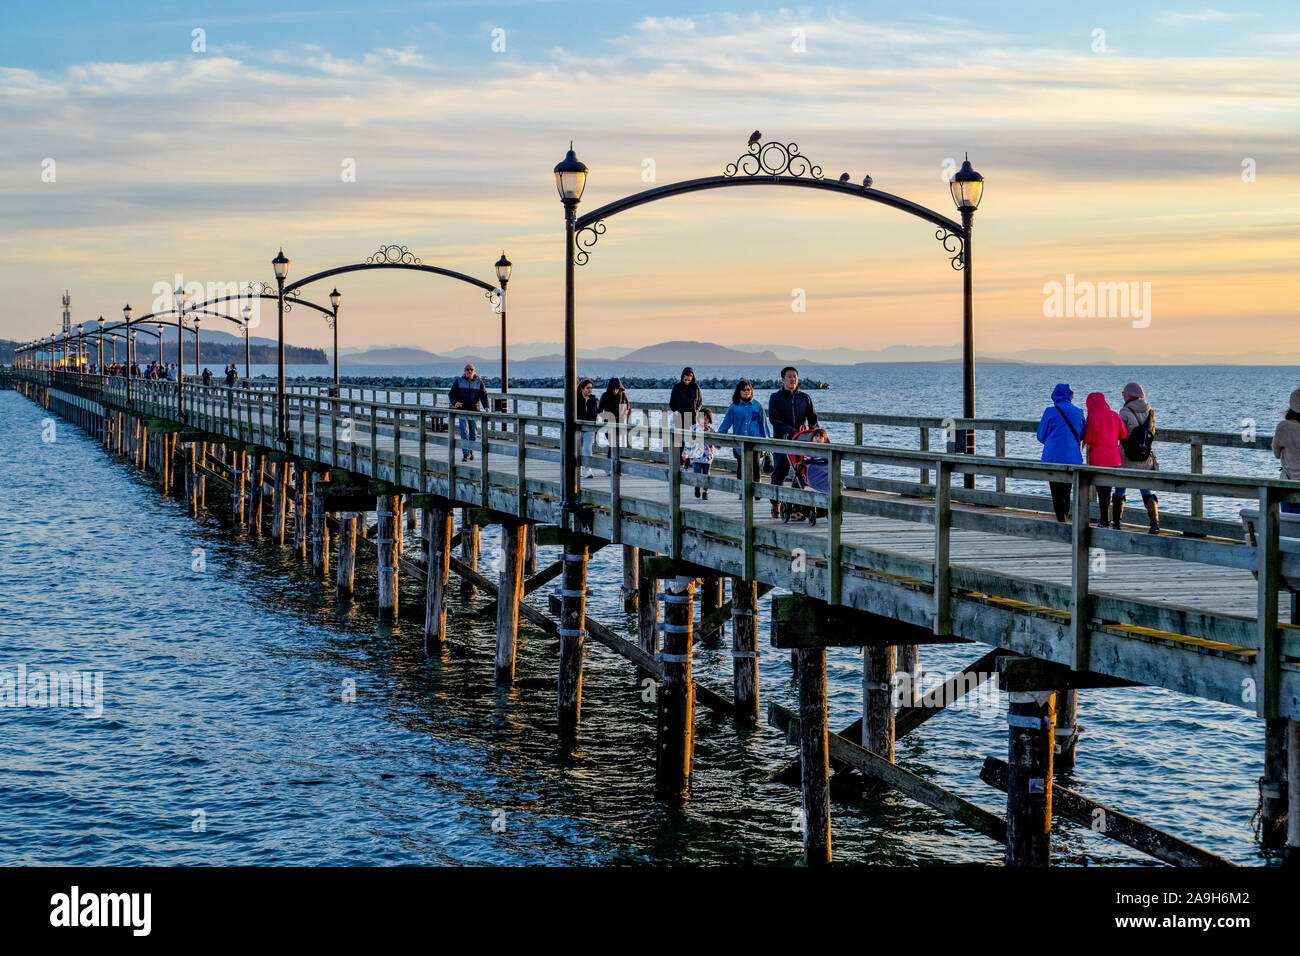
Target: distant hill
698, 353
397, 355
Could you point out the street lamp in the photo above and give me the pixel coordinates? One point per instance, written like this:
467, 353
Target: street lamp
178, 298
161, 368
247, 314
967, 189
80, 339
126, 317
198, 355
570, 181
101, 351
503, 267
335, 298
281, 266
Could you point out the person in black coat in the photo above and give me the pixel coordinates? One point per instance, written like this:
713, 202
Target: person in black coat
614, 406
790, 410
685, 402
468, 392
587, 411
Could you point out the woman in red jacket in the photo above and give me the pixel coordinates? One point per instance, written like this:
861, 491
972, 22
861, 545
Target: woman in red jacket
1101, 437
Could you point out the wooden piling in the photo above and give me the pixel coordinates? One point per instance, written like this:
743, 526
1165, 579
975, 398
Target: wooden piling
437, 521
1066, 734
1293, 793
878, 699
744, 648
814, 755
573, 614
347, 553
1273, 796
510, 592
280, 483
647, 610
470, 545
239, 486
191, 480
530, 550
256, 484
386, 542
1032, 719
908, 668
320, 529
301, 478
631, 575
676, 745
710, 600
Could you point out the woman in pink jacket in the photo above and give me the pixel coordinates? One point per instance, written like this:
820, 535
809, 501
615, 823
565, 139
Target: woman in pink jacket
1101, 437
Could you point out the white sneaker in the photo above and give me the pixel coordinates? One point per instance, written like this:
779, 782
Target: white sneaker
587, 473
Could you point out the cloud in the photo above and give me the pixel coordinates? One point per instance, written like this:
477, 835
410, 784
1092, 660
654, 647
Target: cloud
1180, 18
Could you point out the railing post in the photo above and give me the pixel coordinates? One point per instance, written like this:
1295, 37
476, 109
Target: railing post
942, 532
424, 449
834, 516
747, 480
857, 440
1198, 467
674, 495
1000, 450
1268, 673
1080, 554
374, 441
925, 446
615, 488
521, 474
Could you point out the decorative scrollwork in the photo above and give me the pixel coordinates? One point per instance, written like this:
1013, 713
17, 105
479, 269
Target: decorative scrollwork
394, 254
772, 159
584, 243
952, 243
259, 288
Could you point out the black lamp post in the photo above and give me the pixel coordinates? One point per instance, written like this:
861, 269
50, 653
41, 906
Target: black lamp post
570, 181
967, 190
80, 347
162, 369
281, 266
126, 317
247, 315
178, 298
198, 354
335, 298
100, 363
503, 267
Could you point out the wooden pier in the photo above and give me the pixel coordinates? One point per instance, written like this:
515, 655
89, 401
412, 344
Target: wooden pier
894, 564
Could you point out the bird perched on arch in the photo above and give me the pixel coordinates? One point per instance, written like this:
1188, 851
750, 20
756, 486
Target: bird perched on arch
867, 181
754, 137
844, 177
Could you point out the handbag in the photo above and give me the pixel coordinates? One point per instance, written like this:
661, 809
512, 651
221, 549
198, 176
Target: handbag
767, 463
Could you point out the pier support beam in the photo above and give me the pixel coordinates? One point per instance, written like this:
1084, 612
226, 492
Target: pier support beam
573, 614
1273, 787
510, 591
1066, 734
631, 575
238, 487
814, 755
647, 616
320, 529
878, 699
300, 495
744, 648
1032, 719
437, 522
675, 753
256, 485
191, 481
1293, 793
908, 662
347, 553
386, 542
280, 483
470, 545
530, 550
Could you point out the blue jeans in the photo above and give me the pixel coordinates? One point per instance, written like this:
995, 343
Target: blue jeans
1118, 493
467, 432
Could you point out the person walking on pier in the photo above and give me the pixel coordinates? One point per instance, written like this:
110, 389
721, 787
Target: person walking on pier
791, 411
469, 392
684, 402
744, 417
232, 374
1139, 420
1101, 437
207, 377
587, 413
1061, 430
1286, 447
699, 450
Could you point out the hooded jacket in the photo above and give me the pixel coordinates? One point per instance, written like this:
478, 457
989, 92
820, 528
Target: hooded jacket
790, 411
616, 408
586, 410
686, 399
1104, 432
1286, 448
1134, 412
1060, 443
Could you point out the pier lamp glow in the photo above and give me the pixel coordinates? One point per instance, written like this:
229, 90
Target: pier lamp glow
247, 315
570, 181
967, 190
503, 267
335, 298
281, 266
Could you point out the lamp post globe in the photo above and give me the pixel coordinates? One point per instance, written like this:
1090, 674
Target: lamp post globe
281, 266
967, 187
503, 267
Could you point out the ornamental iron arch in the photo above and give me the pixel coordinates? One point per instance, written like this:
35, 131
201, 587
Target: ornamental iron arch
762, 164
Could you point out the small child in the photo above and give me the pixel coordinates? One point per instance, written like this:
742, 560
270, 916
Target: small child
700, 451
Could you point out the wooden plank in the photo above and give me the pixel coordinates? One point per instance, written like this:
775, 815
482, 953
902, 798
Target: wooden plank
942, 576
1080, 560
1268, 675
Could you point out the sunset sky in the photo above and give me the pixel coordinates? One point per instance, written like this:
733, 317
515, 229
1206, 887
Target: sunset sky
1120, 142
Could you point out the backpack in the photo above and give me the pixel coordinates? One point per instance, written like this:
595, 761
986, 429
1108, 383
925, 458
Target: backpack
1137, 444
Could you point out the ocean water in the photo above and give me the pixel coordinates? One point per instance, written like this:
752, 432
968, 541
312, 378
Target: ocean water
249, 716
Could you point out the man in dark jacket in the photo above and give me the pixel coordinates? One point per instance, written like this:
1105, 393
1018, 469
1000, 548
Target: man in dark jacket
470, 393
789, 410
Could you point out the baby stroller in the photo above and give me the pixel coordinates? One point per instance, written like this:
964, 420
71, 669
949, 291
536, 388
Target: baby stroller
810, 472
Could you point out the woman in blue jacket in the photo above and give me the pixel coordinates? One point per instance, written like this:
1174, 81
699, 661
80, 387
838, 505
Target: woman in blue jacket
1060, 430
745, 417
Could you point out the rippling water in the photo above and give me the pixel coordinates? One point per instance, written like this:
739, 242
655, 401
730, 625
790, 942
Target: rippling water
224, 693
